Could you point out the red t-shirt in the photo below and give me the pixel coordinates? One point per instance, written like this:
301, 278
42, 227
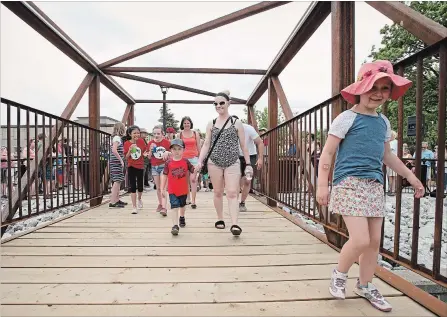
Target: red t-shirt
157, 153
176, 172
136, 159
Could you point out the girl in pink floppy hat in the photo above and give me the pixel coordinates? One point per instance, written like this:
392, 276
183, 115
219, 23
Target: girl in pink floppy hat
360, 139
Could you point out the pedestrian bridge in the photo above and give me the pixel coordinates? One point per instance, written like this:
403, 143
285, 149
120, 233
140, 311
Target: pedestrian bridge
103, 262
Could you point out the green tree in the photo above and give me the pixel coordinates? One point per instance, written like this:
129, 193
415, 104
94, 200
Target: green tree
170, 118
398, 43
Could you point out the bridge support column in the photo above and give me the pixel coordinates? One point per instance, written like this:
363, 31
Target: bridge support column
343, 74
272, 175
94, 142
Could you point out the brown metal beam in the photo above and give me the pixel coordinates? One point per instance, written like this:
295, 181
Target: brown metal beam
185, 70
126, 113
343, 51
282, 98
170, 85
252, 118
272, 148
94, 144
42, 24
43, 153
309, 23
414, 22
211, 25
186, 102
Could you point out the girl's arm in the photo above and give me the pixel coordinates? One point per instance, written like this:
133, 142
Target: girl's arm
241, 134
326, 158
197, 134
393, 162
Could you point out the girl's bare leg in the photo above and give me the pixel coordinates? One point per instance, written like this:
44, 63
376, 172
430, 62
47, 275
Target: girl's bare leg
114, 197
358, 242
193, 182
161, 200
368, 259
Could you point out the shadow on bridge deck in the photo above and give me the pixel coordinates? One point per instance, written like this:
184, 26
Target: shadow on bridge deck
111, 263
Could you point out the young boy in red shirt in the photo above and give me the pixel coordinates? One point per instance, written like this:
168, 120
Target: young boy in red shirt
156, 150
176, 172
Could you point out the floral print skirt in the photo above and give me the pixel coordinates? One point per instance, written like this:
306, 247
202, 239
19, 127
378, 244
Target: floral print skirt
358, 197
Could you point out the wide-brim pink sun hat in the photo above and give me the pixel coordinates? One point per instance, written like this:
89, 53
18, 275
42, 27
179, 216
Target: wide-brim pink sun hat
369, 73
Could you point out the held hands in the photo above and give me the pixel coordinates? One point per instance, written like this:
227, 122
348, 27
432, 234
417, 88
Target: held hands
323, 195
198, 167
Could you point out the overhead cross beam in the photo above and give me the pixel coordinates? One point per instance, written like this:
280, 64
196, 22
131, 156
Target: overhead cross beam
184, 70
424, 28
169, 85
185, 102
309, 23
211, 25
42, 24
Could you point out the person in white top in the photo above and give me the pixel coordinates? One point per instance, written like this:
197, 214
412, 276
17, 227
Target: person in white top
252, 141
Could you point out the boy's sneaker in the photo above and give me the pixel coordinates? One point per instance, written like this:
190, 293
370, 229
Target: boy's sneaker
163, 212
116, 205
175, 229
242, 207
122, 202
134, 211
371, 293
140, 204
338, 284
182, 222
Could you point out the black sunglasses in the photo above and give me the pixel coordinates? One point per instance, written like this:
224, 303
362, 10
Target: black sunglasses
220, 103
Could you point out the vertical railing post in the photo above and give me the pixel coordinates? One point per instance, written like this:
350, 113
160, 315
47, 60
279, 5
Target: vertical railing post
94, 149
272, 176
343, 67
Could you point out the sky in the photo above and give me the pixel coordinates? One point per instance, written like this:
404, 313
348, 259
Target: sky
37, 74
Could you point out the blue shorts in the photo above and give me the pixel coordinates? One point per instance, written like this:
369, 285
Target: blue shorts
177, 201
157, 170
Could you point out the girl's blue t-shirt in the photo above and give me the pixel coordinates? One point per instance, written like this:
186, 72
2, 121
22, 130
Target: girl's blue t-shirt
360, 153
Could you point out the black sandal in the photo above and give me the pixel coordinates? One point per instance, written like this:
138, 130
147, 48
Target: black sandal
236, 230
220, 223
193, 206
182, 221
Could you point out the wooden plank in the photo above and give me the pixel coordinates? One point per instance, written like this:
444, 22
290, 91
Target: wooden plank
168, 261
175, 292
157, 231
149, 221
402, 306
274, 236
185, 70
229, 18
165, 224
164, 275
180, 241
157, 251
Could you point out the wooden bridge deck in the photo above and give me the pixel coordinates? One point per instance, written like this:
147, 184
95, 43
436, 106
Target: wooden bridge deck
111, 263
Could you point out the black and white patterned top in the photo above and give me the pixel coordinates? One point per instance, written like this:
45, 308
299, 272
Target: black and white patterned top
226, 150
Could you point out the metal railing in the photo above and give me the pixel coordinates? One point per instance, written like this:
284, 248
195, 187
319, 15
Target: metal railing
413, 233
45, 162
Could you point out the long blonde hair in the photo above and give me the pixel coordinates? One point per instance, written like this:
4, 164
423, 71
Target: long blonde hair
119, 129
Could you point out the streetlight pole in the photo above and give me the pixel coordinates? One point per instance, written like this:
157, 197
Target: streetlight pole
164, 90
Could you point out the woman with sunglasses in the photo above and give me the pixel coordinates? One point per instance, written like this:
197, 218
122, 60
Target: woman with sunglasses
227, 134
191, 139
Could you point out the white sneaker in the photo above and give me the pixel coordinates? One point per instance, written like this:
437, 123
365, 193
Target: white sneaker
134, 211
140, 204
338, 284
373, 296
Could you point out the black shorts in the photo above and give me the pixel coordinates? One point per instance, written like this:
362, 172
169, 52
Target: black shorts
253, 160
177, 201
